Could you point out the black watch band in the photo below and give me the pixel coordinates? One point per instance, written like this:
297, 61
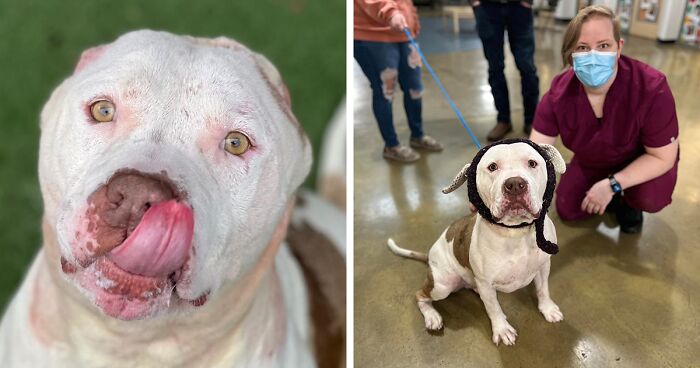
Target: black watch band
616, 187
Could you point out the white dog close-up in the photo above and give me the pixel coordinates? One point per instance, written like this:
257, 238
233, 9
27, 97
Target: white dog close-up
169, 169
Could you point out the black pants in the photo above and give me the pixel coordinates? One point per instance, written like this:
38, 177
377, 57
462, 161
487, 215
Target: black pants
492, 20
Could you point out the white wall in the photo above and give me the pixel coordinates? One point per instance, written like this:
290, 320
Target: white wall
670, 19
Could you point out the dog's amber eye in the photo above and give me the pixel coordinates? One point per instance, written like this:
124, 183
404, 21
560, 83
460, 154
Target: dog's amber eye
236, 143
102, 111
493, 167
532, 163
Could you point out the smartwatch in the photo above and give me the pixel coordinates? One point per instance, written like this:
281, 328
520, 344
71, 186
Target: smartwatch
616, 187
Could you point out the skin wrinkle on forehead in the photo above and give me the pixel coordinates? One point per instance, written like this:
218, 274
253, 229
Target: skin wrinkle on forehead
199, 56
271, 76
230, 114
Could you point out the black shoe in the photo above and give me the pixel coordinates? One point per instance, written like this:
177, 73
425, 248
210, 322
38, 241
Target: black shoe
614, 204
630, 219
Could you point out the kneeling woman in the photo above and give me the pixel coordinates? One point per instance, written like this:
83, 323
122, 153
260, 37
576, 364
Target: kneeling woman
618, 116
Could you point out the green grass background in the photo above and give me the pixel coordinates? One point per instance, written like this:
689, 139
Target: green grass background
40, 42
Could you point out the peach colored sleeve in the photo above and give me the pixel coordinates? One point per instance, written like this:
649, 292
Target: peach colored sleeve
380, 10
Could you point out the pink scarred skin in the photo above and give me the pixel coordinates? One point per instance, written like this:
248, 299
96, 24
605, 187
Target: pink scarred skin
123, 295
134, 280
133, 245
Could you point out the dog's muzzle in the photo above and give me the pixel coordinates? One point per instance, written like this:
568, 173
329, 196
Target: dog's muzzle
133, 243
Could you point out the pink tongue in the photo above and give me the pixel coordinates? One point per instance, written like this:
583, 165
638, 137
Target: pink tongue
160, 243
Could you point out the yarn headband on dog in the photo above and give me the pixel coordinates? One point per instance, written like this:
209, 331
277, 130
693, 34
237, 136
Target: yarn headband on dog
468, 174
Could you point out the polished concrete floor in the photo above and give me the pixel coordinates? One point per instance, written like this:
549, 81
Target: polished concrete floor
628, 301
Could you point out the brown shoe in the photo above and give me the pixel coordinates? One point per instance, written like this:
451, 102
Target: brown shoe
499, 131
401, 154
427, 143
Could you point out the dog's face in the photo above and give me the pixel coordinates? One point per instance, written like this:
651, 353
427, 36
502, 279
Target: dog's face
511, 180
166, 164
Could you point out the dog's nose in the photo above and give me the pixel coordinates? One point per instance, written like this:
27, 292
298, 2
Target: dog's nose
515, 186
130, 196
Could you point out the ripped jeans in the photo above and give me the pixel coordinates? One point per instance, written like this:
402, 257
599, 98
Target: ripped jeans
383, 63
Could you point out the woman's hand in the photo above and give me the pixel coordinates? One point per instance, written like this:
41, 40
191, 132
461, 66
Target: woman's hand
398, 22
598, 197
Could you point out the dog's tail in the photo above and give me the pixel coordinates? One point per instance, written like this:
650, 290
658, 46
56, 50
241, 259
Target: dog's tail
405, 252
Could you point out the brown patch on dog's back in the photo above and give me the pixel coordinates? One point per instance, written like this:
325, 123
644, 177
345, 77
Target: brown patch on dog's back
324, 271
461, 232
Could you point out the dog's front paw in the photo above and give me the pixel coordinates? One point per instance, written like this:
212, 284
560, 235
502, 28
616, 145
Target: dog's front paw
551, 312
433, 320
504, 332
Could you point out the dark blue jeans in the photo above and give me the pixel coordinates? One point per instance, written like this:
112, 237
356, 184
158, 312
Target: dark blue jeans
382, 63
492, 20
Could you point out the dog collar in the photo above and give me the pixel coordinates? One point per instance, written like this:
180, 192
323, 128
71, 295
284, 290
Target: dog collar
485, 212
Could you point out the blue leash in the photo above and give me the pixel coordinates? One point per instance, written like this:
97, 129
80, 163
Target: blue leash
442, 88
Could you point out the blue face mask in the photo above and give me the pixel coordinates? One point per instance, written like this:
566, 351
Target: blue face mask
594, 68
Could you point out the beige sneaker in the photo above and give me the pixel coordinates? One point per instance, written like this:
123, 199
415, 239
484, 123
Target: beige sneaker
427, 143
401, 154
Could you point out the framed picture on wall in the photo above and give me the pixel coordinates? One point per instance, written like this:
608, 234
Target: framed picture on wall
690, 31
648, 10
624, 14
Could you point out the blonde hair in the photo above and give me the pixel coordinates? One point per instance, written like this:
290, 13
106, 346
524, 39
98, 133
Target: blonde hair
573, 31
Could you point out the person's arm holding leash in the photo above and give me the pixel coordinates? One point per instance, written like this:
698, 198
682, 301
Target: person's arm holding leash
385, 11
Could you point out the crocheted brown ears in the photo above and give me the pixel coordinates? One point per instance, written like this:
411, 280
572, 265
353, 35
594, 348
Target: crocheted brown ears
468, 174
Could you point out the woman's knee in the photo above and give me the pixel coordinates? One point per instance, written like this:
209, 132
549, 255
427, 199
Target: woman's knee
568, 210
570, 193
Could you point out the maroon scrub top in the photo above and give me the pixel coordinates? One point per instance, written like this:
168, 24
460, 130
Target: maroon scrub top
638, 111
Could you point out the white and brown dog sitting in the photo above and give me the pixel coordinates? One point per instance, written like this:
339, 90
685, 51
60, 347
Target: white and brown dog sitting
507, 244
169, 167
